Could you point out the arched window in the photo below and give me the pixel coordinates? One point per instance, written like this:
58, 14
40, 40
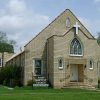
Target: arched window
75, 47
91, 64
68, 24
60, 63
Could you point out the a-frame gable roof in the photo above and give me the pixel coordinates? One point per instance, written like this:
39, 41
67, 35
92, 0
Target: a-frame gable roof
73, 19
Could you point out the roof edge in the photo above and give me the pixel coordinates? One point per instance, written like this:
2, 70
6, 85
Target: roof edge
54, 20
47, 26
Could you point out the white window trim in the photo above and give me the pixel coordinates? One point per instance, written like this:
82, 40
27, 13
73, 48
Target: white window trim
91, 68
60, 67
75, 55
34, 66
62, 63
1, 62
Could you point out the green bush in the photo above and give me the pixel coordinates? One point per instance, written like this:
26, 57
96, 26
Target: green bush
11, 76
98, 80
29, 83
4, 82
99, 83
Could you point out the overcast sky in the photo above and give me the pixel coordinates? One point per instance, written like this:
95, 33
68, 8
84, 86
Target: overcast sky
23, 19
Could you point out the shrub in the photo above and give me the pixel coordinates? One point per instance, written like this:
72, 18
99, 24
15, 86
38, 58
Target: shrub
29, 83
99, 83
4, 82
98, 80
11, 76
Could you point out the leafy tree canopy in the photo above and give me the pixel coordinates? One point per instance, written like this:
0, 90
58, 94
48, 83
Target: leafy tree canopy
5, 44
5, 47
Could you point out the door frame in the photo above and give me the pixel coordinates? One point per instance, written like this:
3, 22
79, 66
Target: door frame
80, 72
74, 68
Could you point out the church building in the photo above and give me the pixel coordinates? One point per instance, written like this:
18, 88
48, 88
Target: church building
64, 52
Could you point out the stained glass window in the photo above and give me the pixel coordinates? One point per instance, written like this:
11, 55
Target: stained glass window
75, 47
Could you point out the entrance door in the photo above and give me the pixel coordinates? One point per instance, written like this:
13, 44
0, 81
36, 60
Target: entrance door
74, 73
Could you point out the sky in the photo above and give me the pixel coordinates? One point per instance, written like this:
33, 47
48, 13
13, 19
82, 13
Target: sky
21, 20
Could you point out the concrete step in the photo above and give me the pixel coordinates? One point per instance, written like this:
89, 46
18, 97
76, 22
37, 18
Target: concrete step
78, 85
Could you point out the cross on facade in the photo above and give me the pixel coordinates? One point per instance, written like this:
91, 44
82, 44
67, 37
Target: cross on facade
76, 27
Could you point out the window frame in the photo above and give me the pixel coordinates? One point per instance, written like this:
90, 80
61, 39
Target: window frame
92, 62
76, 55
37, 67
61, 67
0, 62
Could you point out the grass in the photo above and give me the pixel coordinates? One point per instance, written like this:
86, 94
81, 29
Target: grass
27, 93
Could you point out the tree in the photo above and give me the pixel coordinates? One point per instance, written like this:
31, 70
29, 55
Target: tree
6, 45
98, 38
11, 76
3, 37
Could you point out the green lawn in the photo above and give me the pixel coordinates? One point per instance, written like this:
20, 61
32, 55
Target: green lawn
27, 93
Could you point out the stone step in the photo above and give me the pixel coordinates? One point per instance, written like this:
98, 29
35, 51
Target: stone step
40, 85
78, 85
38, 80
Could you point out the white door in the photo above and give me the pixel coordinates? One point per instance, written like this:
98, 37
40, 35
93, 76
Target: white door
74, 73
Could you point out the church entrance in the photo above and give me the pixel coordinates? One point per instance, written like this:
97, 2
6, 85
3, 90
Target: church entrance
76, 73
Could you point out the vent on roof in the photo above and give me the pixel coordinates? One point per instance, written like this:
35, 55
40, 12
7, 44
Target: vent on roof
68, 24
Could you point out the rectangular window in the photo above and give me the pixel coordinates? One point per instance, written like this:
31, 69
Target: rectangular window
37, 67
0, 62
